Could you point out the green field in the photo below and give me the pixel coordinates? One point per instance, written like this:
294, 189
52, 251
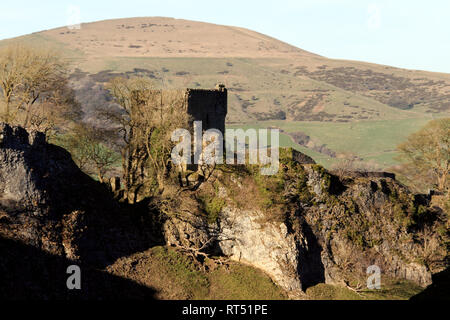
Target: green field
370, 140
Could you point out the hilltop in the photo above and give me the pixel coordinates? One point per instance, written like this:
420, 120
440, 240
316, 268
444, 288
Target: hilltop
339, 105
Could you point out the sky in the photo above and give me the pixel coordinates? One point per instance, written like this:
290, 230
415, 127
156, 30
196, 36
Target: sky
408, 34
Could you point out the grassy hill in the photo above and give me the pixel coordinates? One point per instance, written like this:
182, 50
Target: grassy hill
348, 106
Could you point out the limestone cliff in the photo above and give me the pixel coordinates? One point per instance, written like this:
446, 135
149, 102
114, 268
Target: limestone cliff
306, 226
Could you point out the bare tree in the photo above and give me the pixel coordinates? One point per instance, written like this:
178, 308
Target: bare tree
10, 78
427, 154
77, 143
102, 158
146, 121
345, 164
88, 151
30, 77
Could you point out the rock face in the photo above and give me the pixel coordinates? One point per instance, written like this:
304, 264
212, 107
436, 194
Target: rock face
32, 176
242, 236
48, 203
331, 232
369, 223
245, 237
297, 156
52, 216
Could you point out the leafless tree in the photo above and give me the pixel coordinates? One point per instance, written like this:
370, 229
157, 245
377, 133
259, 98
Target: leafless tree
146, 120
34, 91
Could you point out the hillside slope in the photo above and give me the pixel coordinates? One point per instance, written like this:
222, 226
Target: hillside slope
268, 80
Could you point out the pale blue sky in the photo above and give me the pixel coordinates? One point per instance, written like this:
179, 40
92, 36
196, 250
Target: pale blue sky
410, 34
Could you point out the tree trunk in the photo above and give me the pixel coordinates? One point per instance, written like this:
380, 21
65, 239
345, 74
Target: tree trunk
7, 110
161, 183
28, 110
442, 179
100, 176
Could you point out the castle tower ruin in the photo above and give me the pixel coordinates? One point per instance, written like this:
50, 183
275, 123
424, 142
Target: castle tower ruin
207, 105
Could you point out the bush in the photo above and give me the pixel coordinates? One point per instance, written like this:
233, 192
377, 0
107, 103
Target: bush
212, 206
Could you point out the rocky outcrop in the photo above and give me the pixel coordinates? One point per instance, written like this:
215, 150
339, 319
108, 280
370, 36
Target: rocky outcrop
244, 236
32, 178
48, 203
302, 226
297, 156
327, 230
372, 222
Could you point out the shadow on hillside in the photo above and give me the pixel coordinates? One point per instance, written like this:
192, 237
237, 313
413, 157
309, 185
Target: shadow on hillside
438, 290
101, 228
118, 230
27, 273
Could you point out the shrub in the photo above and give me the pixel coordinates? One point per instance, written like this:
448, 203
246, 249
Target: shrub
212, 206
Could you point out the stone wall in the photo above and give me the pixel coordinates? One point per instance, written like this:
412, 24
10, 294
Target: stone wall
206, 105
295, 155
367, 174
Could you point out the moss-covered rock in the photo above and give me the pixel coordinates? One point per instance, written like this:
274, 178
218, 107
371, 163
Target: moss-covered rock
305, 226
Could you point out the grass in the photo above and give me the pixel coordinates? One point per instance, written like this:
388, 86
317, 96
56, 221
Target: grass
391, 290
330, 292
239, 282
287, 142
257, 86
175, 275
257, 82
213, 206
182, 271
41, 40
243, 282
372, 140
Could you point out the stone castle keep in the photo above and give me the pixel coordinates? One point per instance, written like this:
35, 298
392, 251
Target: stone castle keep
207, 105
